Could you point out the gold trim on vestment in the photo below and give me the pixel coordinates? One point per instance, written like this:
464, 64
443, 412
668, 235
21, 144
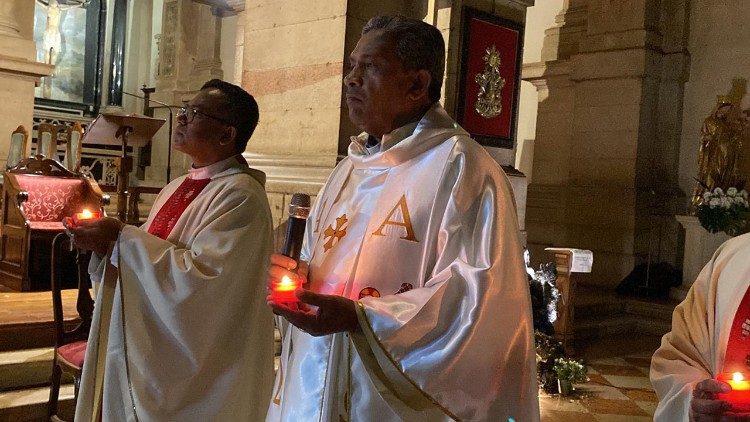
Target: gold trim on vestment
368, 332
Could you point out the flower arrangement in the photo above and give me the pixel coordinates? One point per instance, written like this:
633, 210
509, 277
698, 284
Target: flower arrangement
723, 211
570, 370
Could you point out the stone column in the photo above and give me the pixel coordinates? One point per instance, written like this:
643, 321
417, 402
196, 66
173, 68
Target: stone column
19, 72
293, 63
189, 56
607, 145
700, 246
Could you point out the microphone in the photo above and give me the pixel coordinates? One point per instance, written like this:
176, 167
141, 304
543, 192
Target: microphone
299, 209
164, 105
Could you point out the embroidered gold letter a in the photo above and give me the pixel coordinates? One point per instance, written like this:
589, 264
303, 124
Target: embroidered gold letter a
406, 224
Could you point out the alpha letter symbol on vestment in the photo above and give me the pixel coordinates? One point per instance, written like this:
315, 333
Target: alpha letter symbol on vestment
406, 223
335, 234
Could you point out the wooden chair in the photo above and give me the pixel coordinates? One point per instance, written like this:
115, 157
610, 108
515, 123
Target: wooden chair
73, 147
37, 194
18, 143
46, 140
70, 346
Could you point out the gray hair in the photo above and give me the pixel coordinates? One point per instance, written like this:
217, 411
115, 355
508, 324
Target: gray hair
419, 45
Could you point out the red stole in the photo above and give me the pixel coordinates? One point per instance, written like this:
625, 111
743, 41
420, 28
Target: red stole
171, 211
737, 356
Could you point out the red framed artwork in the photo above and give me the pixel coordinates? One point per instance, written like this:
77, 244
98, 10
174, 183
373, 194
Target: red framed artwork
490, 77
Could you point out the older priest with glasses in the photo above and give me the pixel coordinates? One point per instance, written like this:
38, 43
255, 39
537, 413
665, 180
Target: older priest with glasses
180, 330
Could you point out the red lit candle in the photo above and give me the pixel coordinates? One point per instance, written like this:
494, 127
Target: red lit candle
739, 397
283, 290
85, 214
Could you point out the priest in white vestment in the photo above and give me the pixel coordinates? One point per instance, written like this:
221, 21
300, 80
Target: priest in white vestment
181, 331
416, 306
684, 369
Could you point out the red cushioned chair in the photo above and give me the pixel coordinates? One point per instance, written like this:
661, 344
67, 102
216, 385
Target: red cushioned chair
37, 194
70, 346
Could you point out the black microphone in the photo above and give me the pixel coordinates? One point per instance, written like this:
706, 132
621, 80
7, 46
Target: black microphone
299, 209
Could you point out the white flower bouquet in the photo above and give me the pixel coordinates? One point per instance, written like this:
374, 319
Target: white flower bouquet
724, 211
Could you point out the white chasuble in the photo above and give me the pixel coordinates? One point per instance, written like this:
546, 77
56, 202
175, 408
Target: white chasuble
424, 236
190, 337
696, 347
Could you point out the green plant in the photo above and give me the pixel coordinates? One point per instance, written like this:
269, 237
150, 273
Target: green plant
547, 346
570, 370
723, 211
548, 349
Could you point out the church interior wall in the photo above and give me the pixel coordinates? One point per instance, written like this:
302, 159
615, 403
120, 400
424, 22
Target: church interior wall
539, 18
293, 60
138, 45
607, 133
228, 46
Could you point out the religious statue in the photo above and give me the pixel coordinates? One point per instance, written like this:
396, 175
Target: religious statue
723, 135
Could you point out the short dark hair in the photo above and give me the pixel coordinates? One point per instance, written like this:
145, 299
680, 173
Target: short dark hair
419, 45
241, 108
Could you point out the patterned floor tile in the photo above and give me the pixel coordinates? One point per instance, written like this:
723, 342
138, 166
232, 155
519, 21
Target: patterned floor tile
641, 395
597, 379
626, 371
638, 361
607, 406
561, 404
649, 407
641, 382
559, 416
622, 418
609, 361
618, 390
603, 391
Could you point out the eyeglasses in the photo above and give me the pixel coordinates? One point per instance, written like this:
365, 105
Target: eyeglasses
189, 114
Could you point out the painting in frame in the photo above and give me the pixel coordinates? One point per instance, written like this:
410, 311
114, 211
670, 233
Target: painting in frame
489, 78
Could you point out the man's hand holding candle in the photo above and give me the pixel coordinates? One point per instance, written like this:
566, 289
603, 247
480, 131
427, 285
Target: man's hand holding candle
316, 314
95, 234
705, 406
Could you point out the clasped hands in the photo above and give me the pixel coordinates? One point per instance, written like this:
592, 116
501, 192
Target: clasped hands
705, 407
94, 235
316, 314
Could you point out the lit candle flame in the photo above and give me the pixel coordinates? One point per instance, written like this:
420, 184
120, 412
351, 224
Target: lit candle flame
86, 214
286, 284
737, 377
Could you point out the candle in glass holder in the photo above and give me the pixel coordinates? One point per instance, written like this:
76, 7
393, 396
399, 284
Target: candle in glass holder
85, 214
283, 290
739, 397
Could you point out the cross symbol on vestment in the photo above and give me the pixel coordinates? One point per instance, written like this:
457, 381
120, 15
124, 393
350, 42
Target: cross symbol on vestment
335, 234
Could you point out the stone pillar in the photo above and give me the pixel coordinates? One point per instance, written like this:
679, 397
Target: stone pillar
19, 72
700, 246
189, 56
293, 63
608, 129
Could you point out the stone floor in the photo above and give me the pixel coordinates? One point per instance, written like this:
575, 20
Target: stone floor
618, 390
618, 387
